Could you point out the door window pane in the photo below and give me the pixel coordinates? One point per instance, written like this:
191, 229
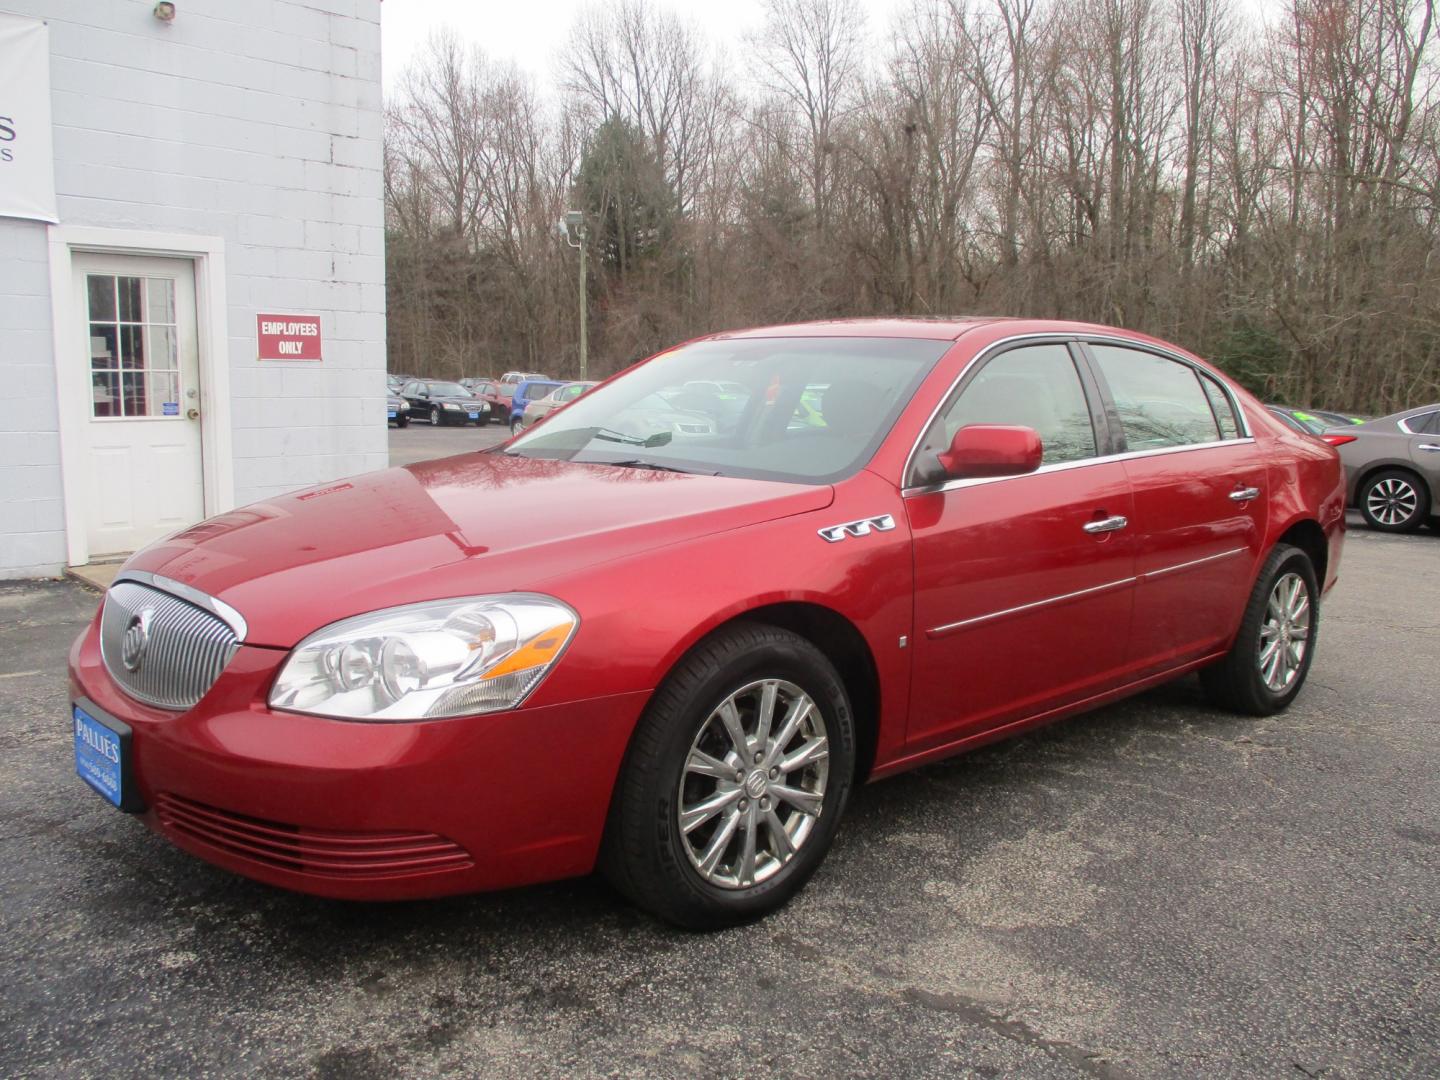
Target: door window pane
1160, 401
1036, 387
1224, 410
134, 351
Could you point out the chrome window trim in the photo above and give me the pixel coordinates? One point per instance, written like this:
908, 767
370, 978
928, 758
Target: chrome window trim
221, 610
1404, 421
1138, 579
1061, 466
1066, 337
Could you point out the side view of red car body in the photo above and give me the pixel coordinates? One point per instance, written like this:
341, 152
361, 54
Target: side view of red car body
1065, 545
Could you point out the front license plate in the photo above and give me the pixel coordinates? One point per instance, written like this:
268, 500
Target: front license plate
474, 416
101, 748
392, 414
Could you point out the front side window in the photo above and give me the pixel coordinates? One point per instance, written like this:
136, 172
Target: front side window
1160, 401
1034, 386
802, 410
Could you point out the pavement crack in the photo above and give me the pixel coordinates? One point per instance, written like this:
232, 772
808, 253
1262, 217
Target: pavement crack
1087, 1061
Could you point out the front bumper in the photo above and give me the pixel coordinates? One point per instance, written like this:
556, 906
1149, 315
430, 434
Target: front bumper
370, 811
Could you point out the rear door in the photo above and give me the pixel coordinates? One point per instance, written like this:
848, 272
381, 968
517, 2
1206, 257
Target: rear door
1022, 584
1199, 487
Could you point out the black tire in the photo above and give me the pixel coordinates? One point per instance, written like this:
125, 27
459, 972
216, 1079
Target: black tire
402, 421
1235, 682
644, 853
1392, 492
437, 418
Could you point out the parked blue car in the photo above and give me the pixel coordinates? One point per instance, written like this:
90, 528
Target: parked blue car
525, 392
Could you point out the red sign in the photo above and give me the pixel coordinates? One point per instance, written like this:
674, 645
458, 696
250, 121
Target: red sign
288, 337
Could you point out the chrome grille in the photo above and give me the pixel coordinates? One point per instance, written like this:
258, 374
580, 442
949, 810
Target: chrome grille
176, 648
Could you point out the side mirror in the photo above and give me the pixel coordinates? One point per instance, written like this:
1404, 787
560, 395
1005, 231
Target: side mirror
992, 450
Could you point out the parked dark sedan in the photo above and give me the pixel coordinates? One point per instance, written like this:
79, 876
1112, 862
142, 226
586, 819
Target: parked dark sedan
443, 402
397, 411
1312, 421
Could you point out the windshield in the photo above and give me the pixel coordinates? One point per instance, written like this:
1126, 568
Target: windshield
804, 410
448, 389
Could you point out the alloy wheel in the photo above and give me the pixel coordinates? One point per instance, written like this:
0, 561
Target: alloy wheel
1284, 633
753, 783
1392, 501
435, 415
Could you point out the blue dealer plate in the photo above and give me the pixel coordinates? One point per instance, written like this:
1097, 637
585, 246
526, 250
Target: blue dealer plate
474, 416
98, 755
392, 414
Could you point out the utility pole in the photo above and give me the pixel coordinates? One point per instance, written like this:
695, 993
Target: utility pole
572, 227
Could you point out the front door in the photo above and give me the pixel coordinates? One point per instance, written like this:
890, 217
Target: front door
1023, 586
143, 475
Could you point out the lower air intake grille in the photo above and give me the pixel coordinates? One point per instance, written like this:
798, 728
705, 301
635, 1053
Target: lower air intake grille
316, 852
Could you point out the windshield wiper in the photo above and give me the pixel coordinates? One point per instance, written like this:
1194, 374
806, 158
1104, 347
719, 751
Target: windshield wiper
660, 438
641, 463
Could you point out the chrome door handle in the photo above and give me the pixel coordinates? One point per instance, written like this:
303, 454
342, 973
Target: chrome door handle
1432, 447
1110, 524
1245, 494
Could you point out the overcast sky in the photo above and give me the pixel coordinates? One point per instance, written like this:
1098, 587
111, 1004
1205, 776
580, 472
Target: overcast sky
532, 32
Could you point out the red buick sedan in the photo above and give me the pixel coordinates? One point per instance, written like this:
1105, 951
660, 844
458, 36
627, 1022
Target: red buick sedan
729, 584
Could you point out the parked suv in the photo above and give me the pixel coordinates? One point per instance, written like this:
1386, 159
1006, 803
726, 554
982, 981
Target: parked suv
526, 391
521, 376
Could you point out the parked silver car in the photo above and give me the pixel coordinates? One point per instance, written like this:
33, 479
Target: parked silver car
1392, 467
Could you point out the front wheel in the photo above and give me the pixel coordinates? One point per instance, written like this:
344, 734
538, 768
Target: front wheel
734, 782
1267, 665
436, 416
516, 427
1393, 500
402, 421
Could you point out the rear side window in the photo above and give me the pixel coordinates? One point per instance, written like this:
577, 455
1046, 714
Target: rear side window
535, 391
1160, 401
1035, 386
1224, 409
1423, 424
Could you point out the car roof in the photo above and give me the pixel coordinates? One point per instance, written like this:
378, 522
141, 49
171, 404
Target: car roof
933, 328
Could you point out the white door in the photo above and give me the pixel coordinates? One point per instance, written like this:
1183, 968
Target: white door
143, 410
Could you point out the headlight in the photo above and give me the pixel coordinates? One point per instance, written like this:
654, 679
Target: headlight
442, 658
452, 405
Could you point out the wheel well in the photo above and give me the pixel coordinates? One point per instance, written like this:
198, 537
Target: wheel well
846, 648
1310, 538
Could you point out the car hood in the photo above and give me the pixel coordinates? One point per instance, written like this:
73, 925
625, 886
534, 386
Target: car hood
467, 525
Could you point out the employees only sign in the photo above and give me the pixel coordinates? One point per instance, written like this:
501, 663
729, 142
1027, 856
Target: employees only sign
27, 166
288, 337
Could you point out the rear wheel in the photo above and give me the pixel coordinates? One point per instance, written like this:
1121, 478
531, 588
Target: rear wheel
1394, 500
1267, 665
735, 780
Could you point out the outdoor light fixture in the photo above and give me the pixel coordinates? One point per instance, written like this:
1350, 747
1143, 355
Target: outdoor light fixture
572, 228
164, 11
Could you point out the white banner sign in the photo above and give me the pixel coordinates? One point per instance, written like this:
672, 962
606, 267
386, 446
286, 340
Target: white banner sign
27, 160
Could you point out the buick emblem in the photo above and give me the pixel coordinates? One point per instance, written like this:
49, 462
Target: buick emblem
136, 640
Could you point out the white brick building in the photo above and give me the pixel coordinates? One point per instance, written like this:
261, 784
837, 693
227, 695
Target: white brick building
207, 170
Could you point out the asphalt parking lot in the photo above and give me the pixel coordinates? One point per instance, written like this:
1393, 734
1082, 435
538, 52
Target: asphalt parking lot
420, 442
1156, 889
